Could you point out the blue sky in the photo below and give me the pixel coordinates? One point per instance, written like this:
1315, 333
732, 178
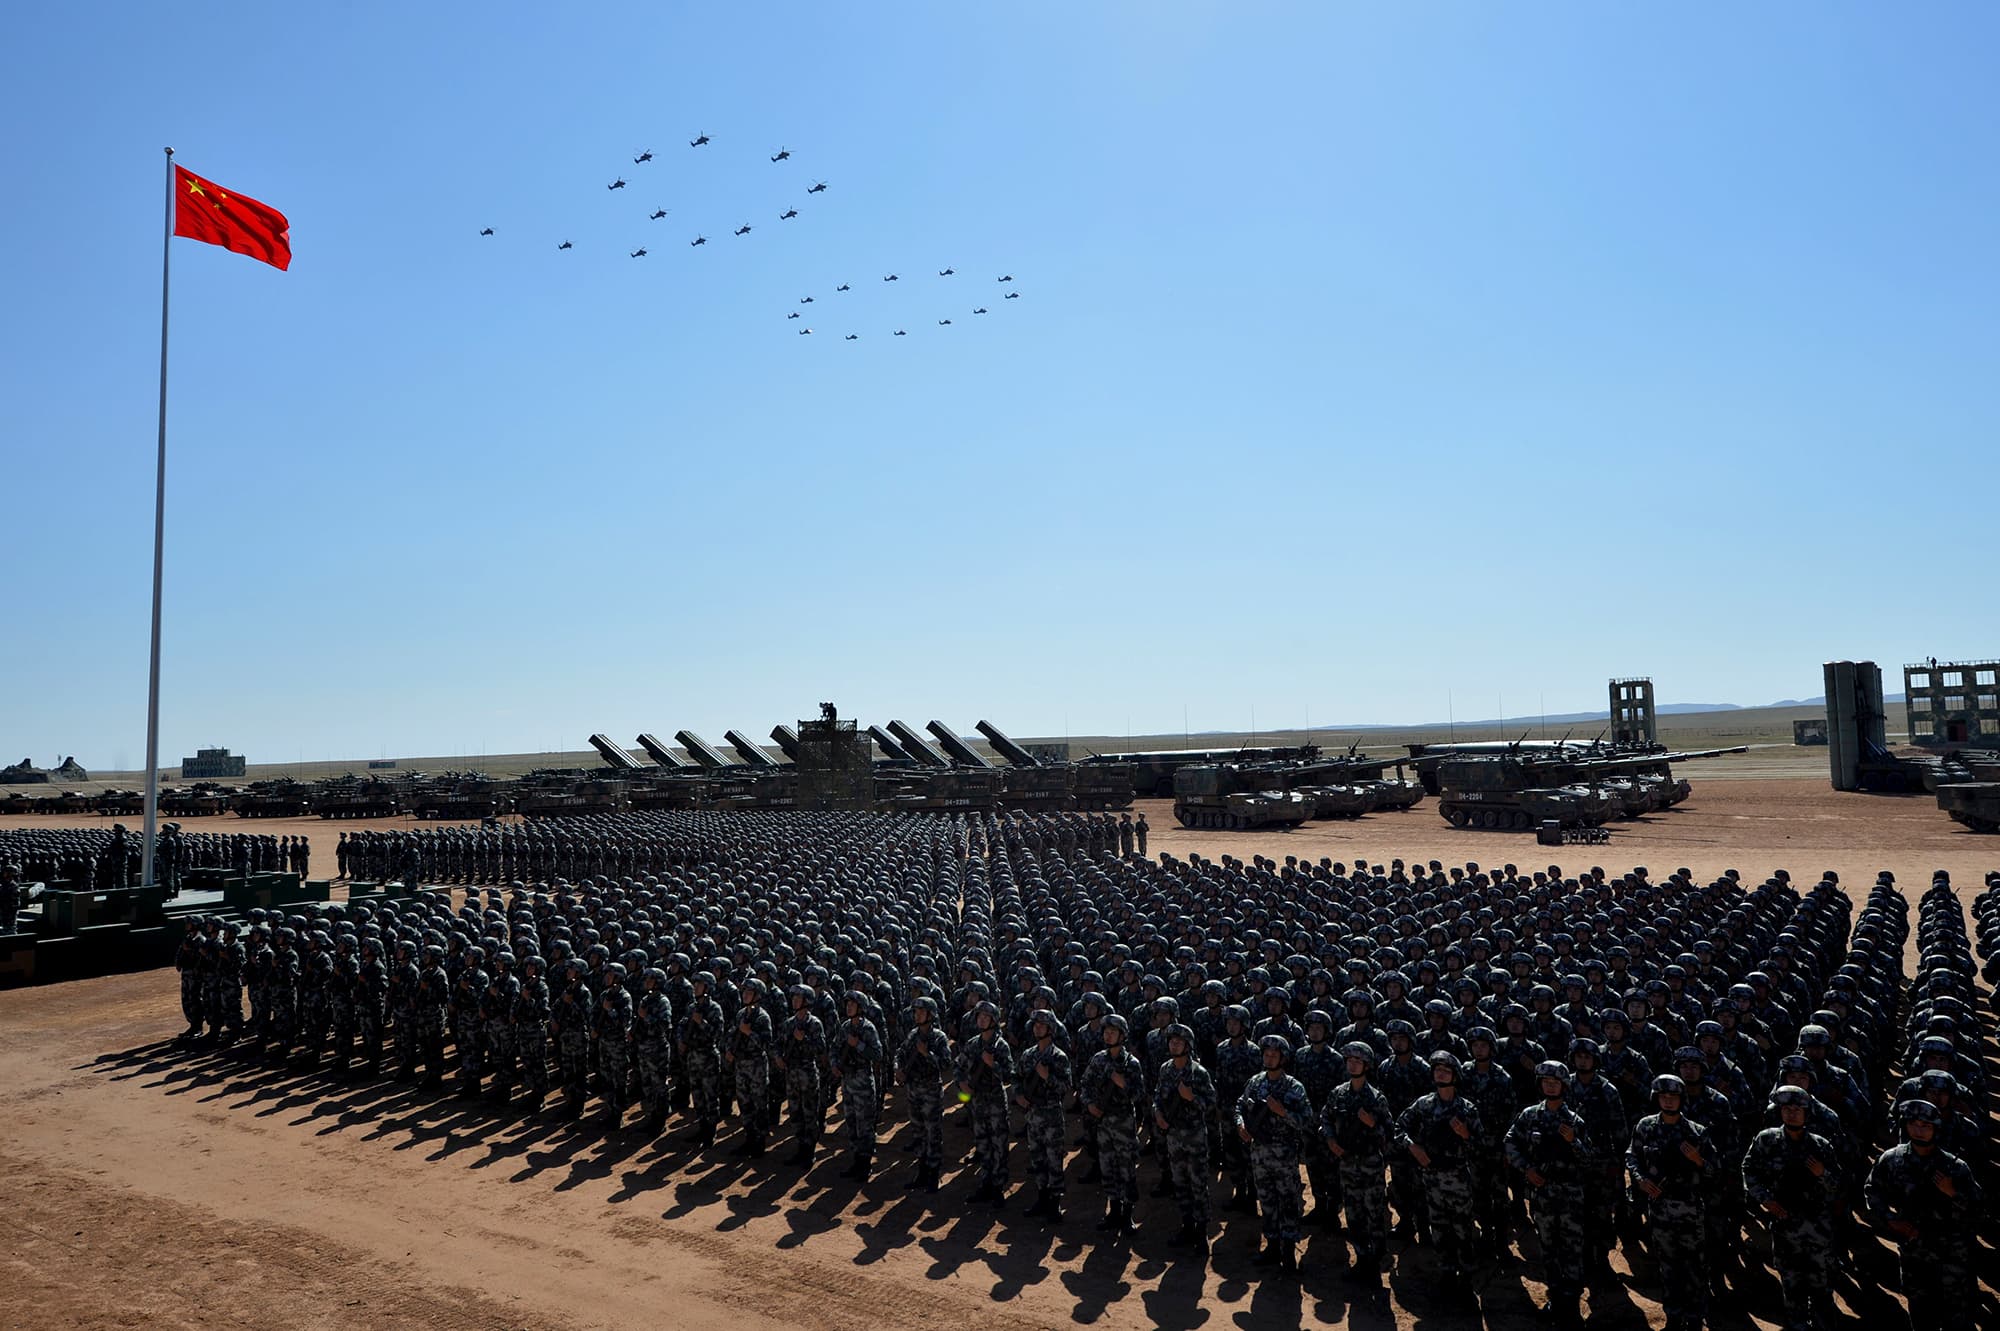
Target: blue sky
1365, 356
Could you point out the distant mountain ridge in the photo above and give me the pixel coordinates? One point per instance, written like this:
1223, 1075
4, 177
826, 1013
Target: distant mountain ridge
1559, 718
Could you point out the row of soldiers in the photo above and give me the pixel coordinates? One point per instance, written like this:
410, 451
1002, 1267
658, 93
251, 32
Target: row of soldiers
1187, 1009
90, 859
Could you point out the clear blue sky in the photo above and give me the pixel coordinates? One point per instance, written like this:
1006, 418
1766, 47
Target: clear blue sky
1366, 355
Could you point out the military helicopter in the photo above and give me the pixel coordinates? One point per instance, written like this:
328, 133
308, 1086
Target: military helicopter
793, 315
841, 287
783, 153
656, 216
807, 300
901, 333
944, 323
1008, 278
698, 140
788, 214
698, 240
645, 156
980, 310
639, 253
487, 232
819, 187
565, 246
1013, 295
743, 230
805, 332
617, 184
852, 337
890, 278
946, 272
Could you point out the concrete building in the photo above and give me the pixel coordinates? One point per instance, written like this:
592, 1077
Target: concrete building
1953, 703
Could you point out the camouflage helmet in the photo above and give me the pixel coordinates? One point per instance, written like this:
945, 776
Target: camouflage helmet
1668, 1084
1910, 1111
1181, 1033
1043, 1017
1116, 1022
1362, 1050
1279, 1043
1786, 1097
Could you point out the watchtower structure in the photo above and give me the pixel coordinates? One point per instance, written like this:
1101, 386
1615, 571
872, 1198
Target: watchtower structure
1633, 719
835, 765
1953, 703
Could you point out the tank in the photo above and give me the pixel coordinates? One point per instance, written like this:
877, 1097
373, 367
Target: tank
1976, 804
354, 796
1237, 797
1511, 793
282, 798
1340, 800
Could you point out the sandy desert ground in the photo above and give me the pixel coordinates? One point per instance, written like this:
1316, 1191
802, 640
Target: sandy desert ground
146, 1185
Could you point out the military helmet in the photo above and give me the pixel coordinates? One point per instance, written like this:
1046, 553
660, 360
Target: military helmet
1912, 1110
1668, 1084
1785, 1097
1116, 1021
1181, 1033
1360, 1049
1279, 1043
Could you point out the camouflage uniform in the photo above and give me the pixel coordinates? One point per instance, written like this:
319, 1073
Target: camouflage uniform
804, 1052
652, 1039
749, 1057
1803, 1247
531, 1034
187, 960
1277, 1145
1936, 1261
1447, 1179
1675, 1217
1362, 1153
986, 1083
1234, 1064
1042, 1093
1185, 1137
611, 1025
1555, 1143
570, 1016
496, 1028
855, 1052
924, 1066
1114, 1110
281, 981
701, 1061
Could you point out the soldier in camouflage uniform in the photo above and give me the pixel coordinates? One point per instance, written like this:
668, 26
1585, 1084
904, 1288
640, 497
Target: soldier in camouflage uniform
315, 974
985, 1066
1041, 1086
187, 961
401, 1002
281, 983
225, 987
1442, 1128
1319, 1067
652, 1043
854, 1054
531, 1029
257, 979
570, 1017
923, 1069
1549, 1144
1360, 1132
496, 1024
801, 1058
1927, 1199
1404, 1079
371, 996
1113, 1089
1235, 1062
749, 1057
1273, 1117
611, 1030
701, 1059
1670, 1159
342, 998
1183, 1110
1794, 1175
465, 1027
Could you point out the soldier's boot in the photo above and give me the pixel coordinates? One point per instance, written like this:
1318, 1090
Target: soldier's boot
1288, 1259
1367, 1270
1121, 1222
864, 1166
1244, 1199
468, 1085
1040, 1204
742, 1148
1267, 1253
985, 1192
1052, 1209
930, 1179
1184, 1237
802, 1154
757, 1147
1109, 1224
997, 1198
498, 1092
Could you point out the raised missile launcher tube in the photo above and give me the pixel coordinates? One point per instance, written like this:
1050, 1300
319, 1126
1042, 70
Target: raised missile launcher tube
1007, 748
891, 750
961, 752
701, 750
917, 746
663, 755
752, 755
613, 755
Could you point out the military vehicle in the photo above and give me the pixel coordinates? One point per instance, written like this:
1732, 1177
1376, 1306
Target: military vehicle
1035, 788
1976, 804
1498, 792
204, 799
1339, 801
1153, 769
1236, 796
119, 803
14, 802
460, 797
1100, 786
934, 791
354, 796
567, 795
753, 788
280, 798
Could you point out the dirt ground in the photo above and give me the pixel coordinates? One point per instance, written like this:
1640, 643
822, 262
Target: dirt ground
145, 1185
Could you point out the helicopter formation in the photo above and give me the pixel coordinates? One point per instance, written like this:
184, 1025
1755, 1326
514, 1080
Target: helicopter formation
790, 213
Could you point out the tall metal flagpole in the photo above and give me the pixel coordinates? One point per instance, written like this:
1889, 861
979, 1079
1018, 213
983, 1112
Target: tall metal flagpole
159, 549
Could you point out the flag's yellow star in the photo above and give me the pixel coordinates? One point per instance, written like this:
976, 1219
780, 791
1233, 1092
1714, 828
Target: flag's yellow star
194, 187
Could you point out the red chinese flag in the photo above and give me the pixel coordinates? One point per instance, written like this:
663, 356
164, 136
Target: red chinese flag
205, 211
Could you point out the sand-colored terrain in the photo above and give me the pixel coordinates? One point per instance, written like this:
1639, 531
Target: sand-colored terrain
146, 1185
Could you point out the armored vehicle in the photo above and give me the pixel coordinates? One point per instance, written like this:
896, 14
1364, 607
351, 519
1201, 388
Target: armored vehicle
460, 796
938, 791
1339, 801
754, 788
1502, 792
1228, 795
567, 795
282, 798
1038, 788
120, 803
1153, 769
1097, 786
352, 796
203, 799
1973, 803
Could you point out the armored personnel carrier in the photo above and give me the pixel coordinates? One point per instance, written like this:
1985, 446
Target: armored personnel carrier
120, 803
1100, 786
1976, 804
1228, 795
460, 796
204, 799
352, 796
567, 795
938, 791
282, 798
